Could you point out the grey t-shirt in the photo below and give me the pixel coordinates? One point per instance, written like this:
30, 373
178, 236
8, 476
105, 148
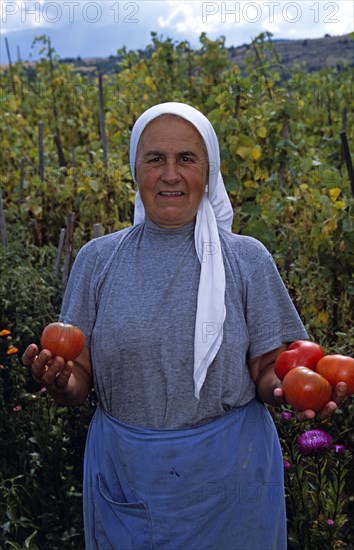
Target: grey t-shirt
134, 294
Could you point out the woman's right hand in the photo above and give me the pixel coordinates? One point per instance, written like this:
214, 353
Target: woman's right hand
53, 373
69, 382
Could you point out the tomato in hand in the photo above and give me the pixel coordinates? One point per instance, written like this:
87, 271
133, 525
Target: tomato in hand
305, 389
63, 340
337, 368
301, 353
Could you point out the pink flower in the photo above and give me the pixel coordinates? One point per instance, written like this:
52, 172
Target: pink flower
330, 522
339, 449
286, 415
17, 408
286, 464
43, 389
313, 442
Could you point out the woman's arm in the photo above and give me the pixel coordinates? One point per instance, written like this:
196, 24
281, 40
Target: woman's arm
263, 375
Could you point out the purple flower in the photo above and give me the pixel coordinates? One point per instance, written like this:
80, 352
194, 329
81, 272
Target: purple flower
339, 449
313, 442
286, 464
286, 415
330, 522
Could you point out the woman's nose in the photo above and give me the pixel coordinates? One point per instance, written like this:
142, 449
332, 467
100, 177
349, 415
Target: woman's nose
171, 172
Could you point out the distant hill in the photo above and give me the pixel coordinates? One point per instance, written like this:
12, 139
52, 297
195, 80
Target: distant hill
312, 54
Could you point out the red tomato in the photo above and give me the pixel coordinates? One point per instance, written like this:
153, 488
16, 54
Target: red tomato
301, 353
305, 389
337, 368
66, 341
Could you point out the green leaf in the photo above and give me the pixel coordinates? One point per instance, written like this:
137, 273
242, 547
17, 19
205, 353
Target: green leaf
94, 185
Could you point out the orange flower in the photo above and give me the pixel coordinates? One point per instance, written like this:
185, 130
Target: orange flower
12, 350
5, 332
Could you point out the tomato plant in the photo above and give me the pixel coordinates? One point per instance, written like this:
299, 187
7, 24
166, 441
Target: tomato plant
301, 353
64, 340
305, 389
337, 368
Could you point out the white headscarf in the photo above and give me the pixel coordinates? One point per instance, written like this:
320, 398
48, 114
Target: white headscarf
214, 211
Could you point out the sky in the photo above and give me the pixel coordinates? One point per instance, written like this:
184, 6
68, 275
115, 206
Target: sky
85, 28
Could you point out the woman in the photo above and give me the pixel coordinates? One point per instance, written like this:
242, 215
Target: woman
183, 322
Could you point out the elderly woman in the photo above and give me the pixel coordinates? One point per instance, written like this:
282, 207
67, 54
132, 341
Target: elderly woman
183, 322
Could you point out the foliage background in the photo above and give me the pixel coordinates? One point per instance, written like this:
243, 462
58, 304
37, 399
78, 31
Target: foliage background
65, 150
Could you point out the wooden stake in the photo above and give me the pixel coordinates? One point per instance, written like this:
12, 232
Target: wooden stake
57, 138
10, 66
68, 248
40, 151
98, 230
36, 232
102, 120
348, 159
261, 66
59, 252
22, 182
58, 144
2, 223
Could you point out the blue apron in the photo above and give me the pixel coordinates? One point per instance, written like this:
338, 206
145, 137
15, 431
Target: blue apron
218, 486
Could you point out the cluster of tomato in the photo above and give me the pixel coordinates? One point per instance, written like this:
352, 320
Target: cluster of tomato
308, 375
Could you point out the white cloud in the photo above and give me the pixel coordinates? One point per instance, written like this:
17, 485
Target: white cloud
90, 27
282, 16
186, 17
296, 19
21, 15
18, 15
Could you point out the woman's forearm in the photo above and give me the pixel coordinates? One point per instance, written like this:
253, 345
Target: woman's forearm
263, 375
266, 383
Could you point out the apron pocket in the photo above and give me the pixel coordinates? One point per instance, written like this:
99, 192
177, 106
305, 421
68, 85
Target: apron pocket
120, 525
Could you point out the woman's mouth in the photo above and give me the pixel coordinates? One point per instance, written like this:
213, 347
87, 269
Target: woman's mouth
171, 194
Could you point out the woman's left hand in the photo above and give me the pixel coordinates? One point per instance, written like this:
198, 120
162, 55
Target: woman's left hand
339, 394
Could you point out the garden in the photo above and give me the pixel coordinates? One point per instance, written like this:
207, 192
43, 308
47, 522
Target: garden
285, 140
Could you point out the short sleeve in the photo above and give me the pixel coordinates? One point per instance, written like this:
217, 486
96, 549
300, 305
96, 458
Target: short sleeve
79, 301
272, 318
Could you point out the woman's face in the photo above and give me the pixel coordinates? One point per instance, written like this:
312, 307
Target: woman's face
171, 171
